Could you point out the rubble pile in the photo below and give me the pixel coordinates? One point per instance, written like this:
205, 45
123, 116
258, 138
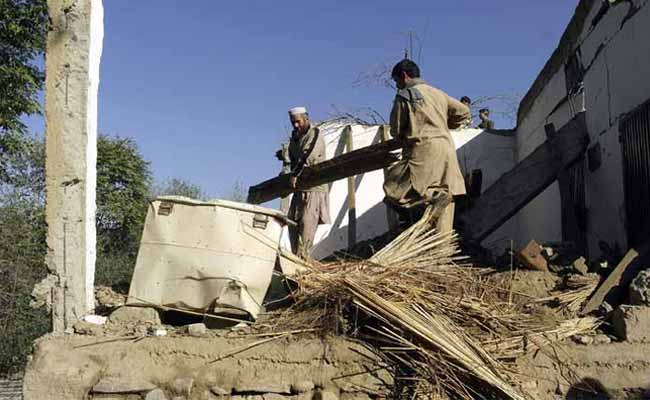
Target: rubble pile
436, 327
631, 322
640, 289
444, 328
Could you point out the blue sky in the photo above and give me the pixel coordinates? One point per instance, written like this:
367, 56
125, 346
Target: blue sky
204, 86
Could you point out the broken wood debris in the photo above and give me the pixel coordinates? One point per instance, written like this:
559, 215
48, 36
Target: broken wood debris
614, 289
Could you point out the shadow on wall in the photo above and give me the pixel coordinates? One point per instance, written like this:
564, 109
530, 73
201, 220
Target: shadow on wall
338, 235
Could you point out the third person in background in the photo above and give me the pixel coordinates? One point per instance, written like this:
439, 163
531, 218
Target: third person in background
486, 122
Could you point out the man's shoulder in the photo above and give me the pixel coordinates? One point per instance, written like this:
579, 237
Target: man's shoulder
411, 94
432, 90
418, 91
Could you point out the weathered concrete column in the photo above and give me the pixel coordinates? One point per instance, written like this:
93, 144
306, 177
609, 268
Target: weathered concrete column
74, 47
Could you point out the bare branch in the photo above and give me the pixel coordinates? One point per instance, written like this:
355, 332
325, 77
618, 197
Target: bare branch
376, 75
363, 116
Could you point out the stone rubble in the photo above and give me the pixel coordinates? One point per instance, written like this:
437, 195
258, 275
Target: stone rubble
219, 391
156, 394
128, 315
263, 387
583, 339
325, 395
182, 386
106, 297
302, 387
640, 289
197, 330
86, 328
601, 338
122, 385
580, 266
532, 258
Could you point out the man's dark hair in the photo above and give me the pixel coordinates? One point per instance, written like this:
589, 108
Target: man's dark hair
465, 99
484, 110
407, 66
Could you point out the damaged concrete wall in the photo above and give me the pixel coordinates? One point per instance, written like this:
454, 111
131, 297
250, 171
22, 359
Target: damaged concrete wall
370, 211
610, 43
494, 154
75, 367
74, 48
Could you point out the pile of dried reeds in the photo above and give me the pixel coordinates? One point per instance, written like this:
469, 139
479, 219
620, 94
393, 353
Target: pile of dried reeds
447, 329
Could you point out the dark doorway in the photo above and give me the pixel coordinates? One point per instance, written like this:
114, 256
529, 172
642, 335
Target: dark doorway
635, 145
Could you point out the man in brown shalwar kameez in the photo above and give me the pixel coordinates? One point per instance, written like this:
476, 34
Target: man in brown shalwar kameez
309, 207
428, 171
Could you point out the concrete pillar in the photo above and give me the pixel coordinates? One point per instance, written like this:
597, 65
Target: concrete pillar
74, 47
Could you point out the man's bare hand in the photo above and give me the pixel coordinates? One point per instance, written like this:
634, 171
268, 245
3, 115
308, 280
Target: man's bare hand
294, 182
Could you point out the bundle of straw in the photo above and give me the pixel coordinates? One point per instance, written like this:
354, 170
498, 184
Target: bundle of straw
446, 327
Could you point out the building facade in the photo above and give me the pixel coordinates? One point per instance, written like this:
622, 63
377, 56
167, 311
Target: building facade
600, 66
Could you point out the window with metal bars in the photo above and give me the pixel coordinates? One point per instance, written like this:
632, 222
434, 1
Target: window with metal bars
635, 145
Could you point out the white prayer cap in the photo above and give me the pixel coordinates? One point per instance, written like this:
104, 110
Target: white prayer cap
298, 111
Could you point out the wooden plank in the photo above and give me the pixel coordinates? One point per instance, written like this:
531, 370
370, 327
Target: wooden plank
357, 162
517, 187
614, 288
612, 280
352, 201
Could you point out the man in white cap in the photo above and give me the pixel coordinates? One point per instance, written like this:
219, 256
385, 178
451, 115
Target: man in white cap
309, 207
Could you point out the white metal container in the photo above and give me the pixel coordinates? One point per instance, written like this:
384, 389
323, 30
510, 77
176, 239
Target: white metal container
216, 256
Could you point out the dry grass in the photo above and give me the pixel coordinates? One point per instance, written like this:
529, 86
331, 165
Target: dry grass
446, 327
579, 288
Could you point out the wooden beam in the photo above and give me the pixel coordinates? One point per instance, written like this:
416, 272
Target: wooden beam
352, 201
517, 187
615, 288
357, 162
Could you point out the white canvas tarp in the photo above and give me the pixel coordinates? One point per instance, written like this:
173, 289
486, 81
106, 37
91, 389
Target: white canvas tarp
215, 256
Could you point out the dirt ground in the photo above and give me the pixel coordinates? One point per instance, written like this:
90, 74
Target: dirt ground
615, 370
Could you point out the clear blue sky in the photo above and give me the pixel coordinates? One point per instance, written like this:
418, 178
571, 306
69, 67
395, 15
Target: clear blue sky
204, 86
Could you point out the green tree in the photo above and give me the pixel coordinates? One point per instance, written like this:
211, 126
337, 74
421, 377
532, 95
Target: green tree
238, 192
123, 182
123, 186
178, 187
23, 32
22, 253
